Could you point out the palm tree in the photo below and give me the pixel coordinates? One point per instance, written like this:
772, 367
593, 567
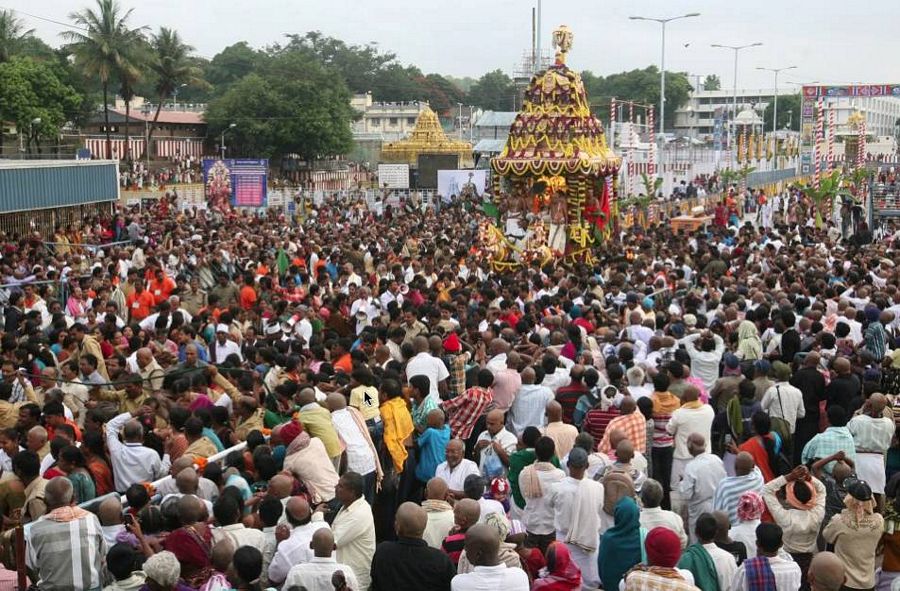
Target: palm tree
104, 46
127, 79
830, 186
171, 64
11, 34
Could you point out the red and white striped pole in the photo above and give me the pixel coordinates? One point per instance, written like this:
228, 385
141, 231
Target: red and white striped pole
861, 143
629, 187
652, 159
832, 129
820, 129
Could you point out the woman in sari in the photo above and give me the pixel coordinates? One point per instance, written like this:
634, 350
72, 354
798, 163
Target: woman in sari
192, 542
763, 446
561, 573
620, 547
72, 463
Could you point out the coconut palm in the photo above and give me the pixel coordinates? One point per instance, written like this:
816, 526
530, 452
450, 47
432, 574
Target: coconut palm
12, 33
172, 67
105, 46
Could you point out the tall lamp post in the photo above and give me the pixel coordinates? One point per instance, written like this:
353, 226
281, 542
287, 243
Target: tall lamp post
775, 105
31, 124
732, 128
175, 99
222, 139
662, 72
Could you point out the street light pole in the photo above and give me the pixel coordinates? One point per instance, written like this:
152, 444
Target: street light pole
775, 105
662, 73
222, 139
733, 126
175, 99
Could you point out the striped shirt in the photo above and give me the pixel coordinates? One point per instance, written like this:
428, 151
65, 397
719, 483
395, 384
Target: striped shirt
829, 442
67, 555
876, 340
596, 422
528, 407
635, 427
456, 383
465, 410
730, 490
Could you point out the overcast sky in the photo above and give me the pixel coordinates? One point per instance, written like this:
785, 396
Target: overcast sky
829, 41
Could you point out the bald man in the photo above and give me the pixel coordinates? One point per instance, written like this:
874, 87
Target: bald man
466, 513
362, 456
110, 515
438, 511
294, 539
693, 417
826, 572
530, 403
700, 479
317, 573
425, 364
409, 563
872, 433
562, 434
729, 490
206, 488
456, 468
483, 550
494, 445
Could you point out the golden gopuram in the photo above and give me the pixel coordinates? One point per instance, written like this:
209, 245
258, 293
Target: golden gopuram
427, 137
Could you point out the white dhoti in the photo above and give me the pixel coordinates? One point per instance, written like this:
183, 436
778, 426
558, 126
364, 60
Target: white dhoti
514, 230
557, 240
677, 503
586, 561
870, 467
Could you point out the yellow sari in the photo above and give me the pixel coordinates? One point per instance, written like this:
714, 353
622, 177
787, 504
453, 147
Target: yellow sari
398, 427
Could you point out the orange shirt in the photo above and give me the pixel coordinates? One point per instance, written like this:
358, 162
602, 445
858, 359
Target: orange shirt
51, 431
140, 304
161, 290
248, 297
344, 364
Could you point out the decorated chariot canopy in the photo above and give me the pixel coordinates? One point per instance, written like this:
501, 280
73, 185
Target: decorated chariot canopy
555, 133
427, 137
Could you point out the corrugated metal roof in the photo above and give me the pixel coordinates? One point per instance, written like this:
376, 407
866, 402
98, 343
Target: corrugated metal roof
496, 119
28, 185
165, 117
489, 146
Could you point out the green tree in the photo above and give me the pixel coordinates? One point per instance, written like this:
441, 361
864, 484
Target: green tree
31, 90
641, 86
171, 65
104, 46
788, 112
231, 65
712, 82
361, 66
494, 91
12, 35
441, 94
291, 105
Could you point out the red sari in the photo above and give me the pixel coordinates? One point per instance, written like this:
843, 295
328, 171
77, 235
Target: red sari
754, 446
192, 548
102, 475
562, 572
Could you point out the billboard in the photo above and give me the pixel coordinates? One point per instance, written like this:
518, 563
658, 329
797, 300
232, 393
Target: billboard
241, 181
452, 182
395, 176
430, 164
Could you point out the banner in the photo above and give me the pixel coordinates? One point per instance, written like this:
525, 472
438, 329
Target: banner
454, 182
393, 176
242, 182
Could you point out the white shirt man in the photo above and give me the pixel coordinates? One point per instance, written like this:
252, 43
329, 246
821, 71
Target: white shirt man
488, 456
295, 549
704, 364
490, 578
539, 517
693, 417
360, 452
239, 535
658, 517
726, 565
785, 402
354, 537
455, 477
315, 575
132, 463
425, 364
786, 571
700, 479
529, 407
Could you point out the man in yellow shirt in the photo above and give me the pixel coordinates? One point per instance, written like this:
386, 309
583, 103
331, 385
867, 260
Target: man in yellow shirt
199, 446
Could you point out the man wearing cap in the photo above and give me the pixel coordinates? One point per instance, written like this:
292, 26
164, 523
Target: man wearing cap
784, 403
872, 434
663, 553
224, 346
855, 534
577, 502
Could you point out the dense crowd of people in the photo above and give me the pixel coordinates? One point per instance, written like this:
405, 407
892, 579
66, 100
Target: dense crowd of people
232, 401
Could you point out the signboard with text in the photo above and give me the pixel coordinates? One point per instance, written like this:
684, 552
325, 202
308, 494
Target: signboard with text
394, 176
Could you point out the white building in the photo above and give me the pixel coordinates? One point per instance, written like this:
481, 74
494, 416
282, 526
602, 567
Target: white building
881, 114
697, 116
384, 121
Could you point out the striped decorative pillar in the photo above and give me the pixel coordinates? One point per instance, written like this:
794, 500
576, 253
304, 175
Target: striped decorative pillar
820, 129
832, 129
629, 178
612, 121
861, 143
651, 123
